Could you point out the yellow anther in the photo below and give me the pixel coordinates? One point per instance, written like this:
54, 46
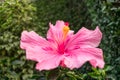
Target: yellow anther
65, 31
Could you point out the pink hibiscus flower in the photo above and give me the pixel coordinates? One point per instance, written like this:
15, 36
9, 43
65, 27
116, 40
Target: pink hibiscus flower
63, 48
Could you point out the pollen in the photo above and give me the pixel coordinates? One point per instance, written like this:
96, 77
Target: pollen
65, 31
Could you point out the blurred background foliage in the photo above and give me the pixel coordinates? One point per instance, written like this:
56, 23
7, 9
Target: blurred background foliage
19, 15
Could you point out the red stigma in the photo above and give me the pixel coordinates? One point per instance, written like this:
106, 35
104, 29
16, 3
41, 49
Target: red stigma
66, 23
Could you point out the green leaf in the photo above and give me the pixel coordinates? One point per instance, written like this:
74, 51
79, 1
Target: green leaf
53, 74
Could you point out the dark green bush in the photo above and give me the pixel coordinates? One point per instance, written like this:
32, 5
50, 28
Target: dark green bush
74, 12
106, 14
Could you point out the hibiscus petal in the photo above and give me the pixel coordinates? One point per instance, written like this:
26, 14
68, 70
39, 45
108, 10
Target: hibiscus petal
85, 38
59, 24
55, 33
71, 61
31, 39
50, 63
47, 59
38, 54
93, 55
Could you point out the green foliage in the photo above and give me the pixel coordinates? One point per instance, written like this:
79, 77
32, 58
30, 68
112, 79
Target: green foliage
15, 16
107, 16
19, 15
